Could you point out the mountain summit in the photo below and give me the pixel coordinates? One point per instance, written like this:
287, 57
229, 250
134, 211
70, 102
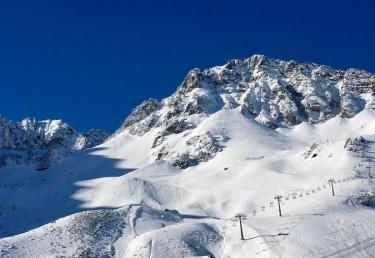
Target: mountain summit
274, 93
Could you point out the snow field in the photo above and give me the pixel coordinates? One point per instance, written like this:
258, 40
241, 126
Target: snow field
111, 201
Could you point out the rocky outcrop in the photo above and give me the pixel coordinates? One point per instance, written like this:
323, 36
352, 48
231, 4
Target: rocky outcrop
141, 118
355, 144
312, 152
201, 148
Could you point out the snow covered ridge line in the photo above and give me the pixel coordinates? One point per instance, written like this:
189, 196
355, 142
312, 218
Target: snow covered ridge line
42, 143
273, 93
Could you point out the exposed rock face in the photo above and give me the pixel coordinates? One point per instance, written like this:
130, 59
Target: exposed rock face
141, 118
275, 93
91, 138
205, 147
202, 148
173, 127
42, 142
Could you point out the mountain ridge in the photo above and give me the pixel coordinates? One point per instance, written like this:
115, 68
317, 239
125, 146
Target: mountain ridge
44, 142
274, 93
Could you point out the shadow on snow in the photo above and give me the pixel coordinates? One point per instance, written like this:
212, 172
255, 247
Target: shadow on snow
30, 198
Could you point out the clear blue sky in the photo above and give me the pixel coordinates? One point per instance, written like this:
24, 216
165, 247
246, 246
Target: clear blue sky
90, 62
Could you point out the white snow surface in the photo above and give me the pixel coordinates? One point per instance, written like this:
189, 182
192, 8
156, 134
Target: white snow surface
102, 204
115, 200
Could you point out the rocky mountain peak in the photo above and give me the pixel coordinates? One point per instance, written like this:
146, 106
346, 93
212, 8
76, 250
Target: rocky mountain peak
272, 92
257, 61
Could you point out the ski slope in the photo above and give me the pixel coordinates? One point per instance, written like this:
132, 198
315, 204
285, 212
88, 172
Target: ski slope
112, 200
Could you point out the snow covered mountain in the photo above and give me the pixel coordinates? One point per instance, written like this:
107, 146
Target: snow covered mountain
274, 93
170, 180
42, 143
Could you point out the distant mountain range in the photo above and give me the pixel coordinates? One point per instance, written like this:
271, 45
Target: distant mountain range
42, 143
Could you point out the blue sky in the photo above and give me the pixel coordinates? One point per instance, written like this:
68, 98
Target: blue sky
90, 62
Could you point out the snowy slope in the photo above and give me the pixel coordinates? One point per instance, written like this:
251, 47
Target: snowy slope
169, 182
